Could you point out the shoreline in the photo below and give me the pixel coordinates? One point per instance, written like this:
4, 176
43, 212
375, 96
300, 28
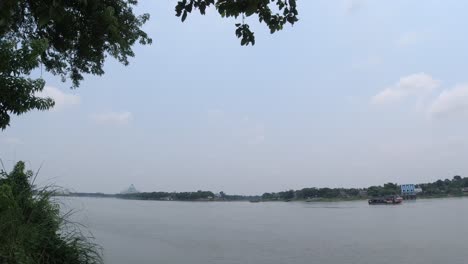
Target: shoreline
319, 200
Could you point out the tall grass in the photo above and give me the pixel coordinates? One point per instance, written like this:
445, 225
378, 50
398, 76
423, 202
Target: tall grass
32, 228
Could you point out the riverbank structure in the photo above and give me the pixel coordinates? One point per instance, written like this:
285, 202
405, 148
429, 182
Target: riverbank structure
408, 191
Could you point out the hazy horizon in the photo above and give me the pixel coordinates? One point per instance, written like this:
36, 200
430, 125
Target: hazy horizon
357, 93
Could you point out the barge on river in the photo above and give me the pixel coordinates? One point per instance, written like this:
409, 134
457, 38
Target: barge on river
391, 199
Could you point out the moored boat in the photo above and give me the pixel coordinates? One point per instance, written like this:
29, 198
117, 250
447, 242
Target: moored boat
391, 199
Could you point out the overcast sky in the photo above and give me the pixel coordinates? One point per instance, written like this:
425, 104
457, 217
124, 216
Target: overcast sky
357, 93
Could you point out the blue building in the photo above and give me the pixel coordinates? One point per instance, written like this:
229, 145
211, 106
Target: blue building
408, 191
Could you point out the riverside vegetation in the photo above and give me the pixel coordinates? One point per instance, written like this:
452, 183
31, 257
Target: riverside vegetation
72, 39
33, 231
457, 186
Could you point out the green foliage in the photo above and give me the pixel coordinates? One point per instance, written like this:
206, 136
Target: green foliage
439, 188
445, 187
308, 193
387, 189
73, 38
17, 92
68, 38
236, 197
287, 195
286, 12
32, 229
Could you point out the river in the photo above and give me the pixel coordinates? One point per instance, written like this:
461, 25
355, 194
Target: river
144, 232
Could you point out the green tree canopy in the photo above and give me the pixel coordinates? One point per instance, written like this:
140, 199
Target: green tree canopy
286, 12
73, 38
68, 38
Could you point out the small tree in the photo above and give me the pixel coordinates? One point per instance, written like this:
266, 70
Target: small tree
457, 178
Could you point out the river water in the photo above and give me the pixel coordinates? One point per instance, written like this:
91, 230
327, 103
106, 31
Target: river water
422, 231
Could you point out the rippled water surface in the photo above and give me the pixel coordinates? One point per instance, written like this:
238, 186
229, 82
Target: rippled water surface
422, 231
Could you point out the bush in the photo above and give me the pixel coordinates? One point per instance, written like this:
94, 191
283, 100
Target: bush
32, 229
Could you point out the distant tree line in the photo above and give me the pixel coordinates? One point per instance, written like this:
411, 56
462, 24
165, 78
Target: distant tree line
386, 189
454, 187
228, 197
178, 196
458, 186
311, 193
80, 194
186, 196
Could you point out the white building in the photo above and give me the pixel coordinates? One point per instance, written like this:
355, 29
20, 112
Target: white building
408, 189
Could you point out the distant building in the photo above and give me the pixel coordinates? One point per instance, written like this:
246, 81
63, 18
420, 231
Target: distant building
418, 190
465, 190
129, 190
408, 191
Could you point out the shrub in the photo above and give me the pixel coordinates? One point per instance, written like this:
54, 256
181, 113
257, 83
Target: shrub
32, 229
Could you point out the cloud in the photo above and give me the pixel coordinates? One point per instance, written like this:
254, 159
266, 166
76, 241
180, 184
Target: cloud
11, 141
62, 99
418, 85
409, 39
451, 102
119, 118
448, 103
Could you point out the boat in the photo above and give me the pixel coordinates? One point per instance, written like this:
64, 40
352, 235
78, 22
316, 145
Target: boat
390, 199
254, 200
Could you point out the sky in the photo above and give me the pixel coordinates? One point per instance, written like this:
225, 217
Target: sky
357, 93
